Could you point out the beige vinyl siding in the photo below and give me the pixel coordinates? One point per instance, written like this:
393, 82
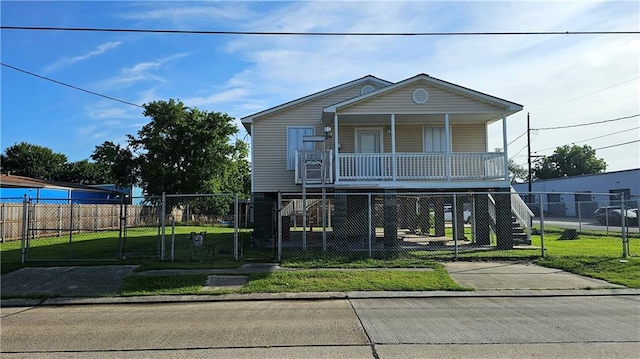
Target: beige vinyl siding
401, 101
409, 138
270, 140
469, 137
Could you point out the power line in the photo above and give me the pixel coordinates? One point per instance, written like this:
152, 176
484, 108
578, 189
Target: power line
616, 145
294, 33
589, 139
71, 86
583, 96
514, 140
585, 124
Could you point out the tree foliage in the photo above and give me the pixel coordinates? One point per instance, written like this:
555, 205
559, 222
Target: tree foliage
25, 159
517, 173
119, 161
181, 150
569, 161
85, 172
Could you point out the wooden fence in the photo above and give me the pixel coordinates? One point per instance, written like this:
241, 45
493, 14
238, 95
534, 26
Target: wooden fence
46, 220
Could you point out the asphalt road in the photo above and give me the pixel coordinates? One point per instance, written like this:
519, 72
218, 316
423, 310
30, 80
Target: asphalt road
551, 327
586, 224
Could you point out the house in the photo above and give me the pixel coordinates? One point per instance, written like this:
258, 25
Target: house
421, 134
580, 196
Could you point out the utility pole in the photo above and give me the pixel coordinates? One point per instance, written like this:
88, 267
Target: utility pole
529, 157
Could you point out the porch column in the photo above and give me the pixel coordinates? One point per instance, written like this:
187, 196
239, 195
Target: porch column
504, 146
336, 162
447, 136
393, 148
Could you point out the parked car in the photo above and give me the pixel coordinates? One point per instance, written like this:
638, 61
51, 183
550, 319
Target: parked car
448, 215
612, 215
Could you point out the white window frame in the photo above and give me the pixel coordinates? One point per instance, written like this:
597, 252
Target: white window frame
291, 152
447, 141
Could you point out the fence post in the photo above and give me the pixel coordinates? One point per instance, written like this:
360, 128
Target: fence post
304, 219
25, 228
163, 207
324, 219
542, 226
121, 238
95, 219
70, 226
623, 223
369, 223
579, 217
454, 223
173, 237
2, 219
279, 219
236, 249
59, 220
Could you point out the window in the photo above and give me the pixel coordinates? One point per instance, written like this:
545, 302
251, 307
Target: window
434, 139
294, 142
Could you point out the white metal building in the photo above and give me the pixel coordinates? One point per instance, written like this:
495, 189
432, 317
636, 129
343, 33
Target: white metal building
563, 193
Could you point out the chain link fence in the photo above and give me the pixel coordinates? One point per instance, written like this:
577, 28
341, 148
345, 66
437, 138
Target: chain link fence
166, 228
217, 228
453, 225
62, 229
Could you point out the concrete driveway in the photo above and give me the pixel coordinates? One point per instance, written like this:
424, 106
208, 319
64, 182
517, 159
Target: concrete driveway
85, 281
502, 275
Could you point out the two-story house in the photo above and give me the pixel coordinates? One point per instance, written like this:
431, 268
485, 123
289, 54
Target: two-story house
420, 134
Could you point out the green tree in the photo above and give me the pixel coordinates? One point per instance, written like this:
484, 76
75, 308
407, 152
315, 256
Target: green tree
569, 161
517, 173
181, 150
85, 172
119, 161
25, 159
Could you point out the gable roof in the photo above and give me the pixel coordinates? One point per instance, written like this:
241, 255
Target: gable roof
509, 106
369, 78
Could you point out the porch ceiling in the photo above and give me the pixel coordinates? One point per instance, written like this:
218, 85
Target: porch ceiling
413, 118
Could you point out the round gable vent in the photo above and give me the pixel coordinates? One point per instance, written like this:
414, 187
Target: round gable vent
366, 89
420, 96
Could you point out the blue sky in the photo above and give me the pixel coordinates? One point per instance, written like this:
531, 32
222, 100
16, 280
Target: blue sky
561, 80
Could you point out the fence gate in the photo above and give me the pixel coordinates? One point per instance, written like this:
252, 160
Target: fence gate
61, 230
200, 227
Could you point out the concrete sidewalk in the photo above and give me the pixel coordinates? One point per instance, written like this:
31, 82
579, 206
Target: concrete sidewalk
100, 284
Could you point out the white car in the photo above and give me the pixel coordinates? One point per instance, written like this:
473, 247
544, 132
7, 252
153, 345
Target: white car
448, 215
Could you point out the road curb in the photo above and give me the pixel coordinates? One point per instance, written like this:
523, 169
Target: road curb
63, 301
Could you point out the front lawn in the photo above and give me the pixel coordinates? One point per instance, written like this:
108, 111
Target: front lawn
613, 270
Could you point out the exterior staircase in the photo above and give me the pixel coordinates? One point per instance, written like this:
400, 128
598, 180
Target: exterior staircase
521, 217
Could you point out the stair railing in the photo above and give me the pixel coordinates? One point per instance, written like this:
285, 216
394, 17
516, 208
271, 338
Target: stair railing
521, 212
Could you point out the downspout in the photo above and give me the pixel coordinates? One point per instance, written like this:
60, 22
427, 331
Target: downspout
336, 162
394, 160
447, 135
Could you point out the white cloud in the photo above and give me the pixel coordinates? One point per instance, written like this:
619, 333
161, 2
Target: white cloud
140, 72
99, 50
536, 71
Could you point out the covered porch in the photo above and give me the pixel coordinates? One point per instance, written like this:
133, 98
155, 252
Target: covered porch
414, 150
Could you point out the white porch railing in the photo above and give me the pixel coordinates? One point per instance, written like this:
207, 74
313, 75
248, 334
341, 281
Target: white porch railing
421, 166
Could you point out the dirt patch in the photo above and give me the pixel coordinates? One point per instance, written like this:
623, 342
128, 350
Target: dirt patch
218, 282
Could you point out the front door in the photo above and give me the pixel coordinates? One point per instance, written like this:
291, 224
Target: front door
369, 144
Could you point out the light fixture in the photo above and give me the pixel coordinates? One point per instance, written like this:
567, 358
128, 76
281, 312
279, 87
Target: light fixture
327, 131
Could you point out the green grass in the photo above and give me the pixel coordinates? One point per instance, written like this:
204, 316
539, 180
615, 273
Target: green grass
613, 270
342, 281
138, 284
297, 281
140, 247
